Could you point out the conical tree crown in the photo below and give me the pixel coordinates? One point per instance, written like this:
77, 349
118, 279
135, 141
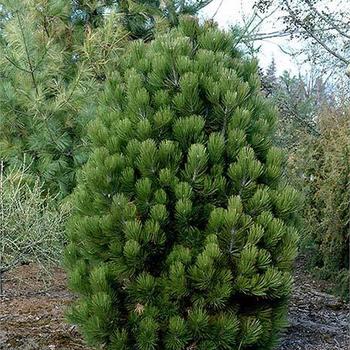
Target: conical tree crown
184, 232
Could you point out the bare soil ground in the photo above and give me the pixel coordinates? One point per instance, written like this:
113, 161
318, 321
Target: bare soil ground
32, 314
317, 319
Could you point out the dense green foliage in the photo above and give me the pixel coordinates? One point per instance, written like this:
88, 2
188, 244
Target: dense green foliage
321, 168
184, 231
41, 93
55, 55
138, 17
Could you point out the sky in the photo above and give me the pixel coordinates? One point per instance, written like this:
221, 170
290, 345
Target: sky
235, 11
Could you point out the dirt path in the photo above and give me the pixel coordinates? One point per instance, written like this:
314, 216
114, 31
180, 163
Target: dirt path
32, 316
317, 320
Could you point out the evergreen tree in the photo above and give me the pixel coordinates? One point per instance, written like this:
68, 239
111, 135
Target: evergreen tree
184, 231
137, 16
269, 79
44, 86
321, 168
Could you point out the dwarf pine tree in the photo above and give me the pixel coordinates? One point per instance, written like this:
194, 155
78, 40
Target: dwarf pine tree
184, 230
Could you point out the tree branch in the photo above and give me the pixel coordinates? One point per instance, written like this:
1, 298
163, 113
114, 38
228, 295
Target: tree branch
27, 53
327, 19
281, 34
315, 37
17, 66
217, 10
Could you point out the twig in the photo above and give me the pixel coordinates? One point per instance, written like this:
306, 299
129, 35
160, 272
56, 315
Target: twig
327, 20
17, 66
27, 53
315, 37
218, 9
281, 34
247, 32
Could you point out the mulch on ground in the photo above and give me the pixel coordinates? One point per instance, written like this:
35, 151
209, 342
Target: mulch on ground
32, 314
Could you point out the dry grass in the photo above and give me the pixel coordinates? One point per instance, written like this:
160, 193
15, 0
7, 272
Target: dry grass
31, 225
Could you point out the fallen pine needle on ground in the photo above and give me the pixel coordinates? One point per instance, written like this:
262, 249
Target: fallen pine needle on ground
32, 314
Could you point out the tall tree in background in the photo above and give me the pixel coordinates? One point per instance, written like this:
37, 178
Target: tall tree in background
322, 23
300, 99
270, 79
138, 16
43, 88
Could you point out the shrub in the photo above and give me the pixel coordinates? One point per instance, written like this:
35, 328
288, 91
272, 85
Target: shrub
322, 169
31, 226
184, 231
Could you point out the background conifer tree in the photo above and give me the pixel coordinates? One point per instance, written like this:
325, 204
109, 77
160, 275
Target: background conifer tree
184, 231
44, 86
138, 17
51, 65
321, 168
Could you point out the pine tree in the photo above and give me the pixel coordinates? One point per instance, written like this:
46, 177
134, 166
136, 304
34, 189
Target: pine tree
185, 230
138, 17
43, 88
269, 79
